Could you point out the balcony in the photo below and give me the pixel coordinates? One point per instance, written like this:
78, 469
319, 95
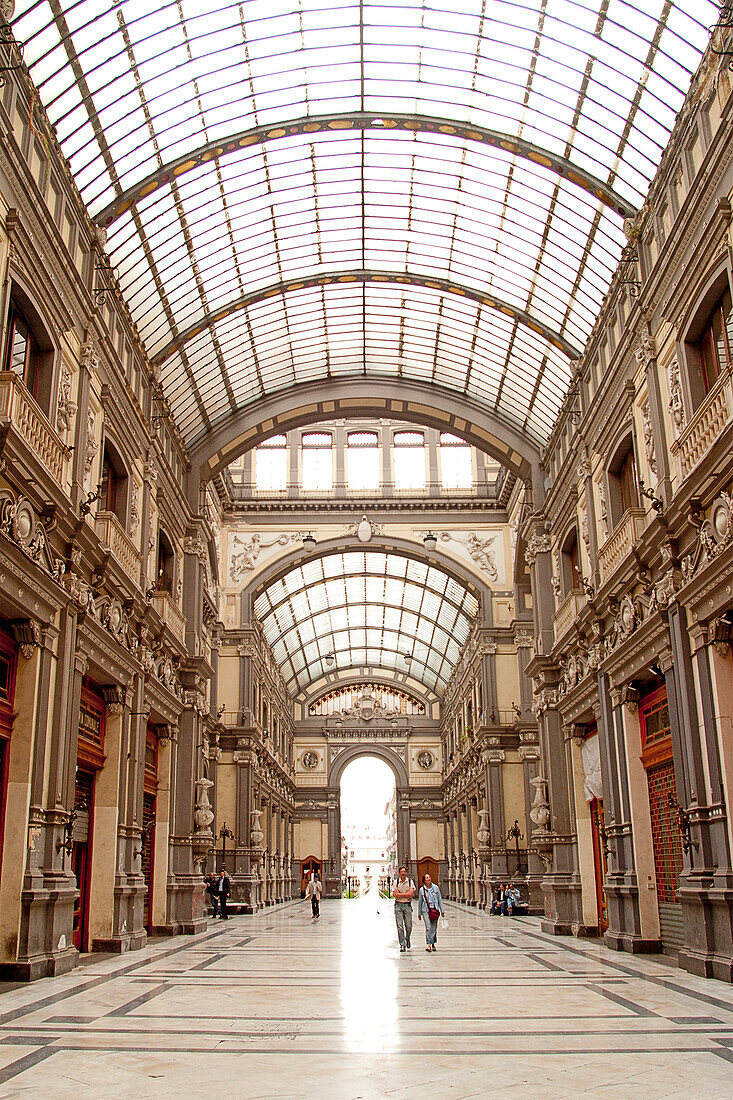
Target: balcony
170, 613
568, 612
705, 427
112, 534
20, 411
620, 542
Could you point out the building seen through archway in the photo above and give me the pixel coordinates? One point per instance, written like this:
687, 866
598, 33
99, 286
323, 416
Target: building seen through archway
367, 808
365, 403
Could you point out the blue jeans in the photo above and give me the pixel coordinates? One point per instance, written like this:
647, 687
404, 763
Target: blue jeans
431, 930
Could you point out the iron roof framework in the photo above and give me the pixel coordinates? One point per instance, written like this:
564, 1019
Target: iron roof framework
339, 188
368, 609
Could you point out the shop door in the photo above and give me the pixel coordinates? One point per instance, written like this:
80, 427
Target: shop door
148, 843
599, 862
427, 866
308, 866
667, 852
147, 846
656, 742
81, 855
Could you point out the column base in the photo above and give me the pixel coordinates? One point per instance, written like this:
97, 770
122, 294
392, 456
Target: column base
41, 966
632, 944
706, 965
119, 945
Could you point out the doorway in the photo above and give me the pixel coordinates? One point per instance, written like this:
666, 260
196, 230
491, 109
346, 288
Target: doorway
369, 854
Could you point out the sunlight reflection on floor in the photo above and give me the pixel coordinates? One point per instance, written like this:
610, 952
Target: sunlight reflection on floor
369, 971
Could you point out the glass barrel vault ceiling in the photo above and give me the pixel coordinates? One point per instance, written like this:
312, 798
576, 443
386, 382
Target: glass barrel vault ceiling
367, 609
331, 188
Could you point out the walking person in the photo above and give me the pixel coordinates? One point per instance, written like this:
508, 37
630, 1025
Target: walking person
430, 910
224, 889
403, 893
313, 891
211, 883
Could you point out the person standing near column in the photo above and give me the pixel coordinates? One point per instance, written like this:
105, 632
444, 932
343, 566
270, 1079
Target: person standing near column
224, 890
403, 893
430, 909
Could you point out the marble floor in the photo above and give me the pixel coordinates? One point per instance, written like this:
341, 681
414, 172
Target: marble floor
281, 1006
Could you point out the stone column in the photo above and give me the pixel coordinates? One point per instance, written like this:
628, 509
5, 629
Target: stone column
524, 641
44, 946
493, 759
706, 882
186, 906
529, 753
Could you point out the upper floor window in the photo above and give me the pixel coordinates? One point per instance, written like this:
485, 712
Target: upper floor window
623, 482
409, 460
22, 354
317, 456
166, 558
570, 563
716, 342
362, 462
113, 495
271, 465
456, 467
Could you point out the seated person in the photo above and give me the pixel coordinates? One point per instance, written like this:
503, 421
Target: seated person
498, 905
513, 898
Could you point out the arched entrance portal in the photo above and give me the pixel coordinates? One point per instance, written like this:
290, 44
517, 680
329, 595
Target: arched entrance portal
368, 805
340, 759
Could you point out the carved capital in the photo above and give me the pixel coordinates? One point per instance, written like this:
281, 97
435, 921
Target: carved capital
537, 544
114, 696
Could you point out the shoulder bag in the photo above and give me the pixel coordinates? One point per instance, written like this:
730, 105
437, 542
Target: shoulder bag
432, 913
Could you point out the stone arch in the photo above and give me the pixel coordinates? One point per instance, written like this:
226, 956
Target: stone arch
419, 403
350, 753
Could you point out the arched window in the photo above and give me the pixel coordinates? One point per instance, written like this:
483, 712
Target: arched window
362, 462
456, 466
113, 496
623, 481
409, 461
716, 342
164, 573
570, 562
28, 351
271, 465
317, 462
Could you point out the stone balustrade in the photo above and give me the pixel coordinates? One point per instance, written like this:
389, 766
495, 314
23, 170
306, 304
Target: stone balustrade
170, 613
21, 411
568, 612
620, 542
705, 427
112, 534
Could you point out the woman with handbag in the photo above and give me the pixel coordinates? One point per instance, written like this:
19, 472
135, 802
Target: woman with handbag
430, 909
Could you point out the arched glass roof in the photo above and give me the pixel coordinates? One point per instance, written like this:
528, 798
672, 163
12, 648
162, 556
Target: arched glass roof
301, 190
369, 610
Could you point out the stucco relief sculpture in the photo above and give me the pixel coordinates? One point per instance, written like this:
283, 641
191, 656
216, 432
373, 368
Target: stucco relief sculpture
310, 760
482, 553
92, 447
651, 457
66, 408
425, 759
676, 400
